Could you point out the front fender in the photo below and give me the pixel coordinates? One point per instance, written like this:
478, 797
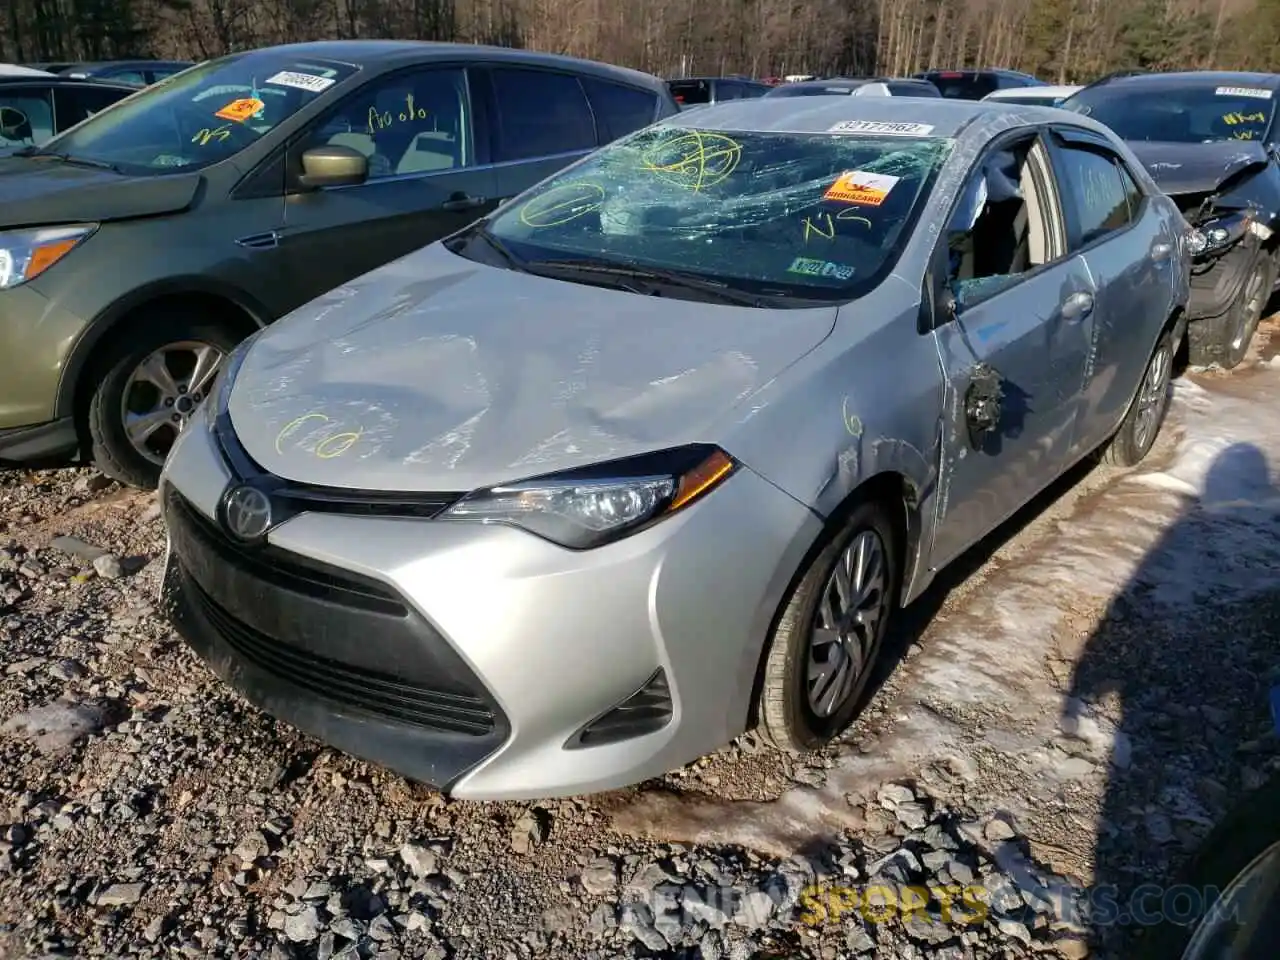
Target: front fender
866, 403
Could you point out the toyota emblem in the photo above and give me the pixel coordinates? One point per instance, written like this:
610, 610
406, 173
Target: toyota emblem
246, 512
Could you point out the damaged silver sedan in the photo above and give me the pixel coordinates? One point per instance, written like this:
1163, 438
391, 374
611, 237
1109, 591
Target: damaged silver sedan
658, 450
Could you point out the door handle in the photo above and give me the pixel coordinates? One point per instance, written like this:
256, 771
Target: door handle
1077, 306
461, 201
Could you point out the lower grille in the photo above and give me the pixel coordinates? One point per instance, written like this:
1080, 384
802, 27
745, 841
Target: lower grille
341, 637
355, 687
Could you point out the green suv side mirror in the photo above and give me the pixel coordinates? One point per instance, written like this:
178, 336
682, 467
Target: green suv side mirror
333, 165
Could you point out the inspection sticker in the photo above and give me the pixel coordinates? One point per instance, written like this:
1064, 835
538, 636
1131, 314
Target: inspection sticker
855, 186
301, 81
241, 110
1257, 93
879, 126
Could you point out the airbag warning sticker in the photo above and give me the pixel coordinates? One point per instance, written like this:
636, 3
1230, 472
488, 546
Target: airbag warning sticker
855, 186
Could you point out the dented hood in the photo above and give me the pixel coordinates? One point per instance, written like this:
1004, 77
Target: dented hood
1196, 167
438, 373
35, 191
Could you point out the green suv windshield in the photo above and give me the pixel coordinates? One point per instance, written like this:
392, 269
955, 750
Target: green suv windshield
201, 116
818, 216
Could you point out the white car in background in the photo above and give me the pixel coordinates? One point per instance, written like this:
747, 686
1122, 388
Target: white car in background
1035, 96
13, 70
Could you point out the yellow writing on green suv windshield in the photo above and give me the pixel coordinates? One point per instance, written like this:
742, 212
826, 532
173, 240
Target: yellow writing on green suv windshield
212, 135
380, 120
1233, 119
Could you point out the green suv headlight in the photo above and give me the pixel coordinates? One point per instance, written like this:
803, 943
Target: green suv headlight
25, 254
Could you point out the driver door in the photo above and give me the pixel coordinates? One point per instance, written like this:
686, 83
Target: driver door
1014, 348
415, 128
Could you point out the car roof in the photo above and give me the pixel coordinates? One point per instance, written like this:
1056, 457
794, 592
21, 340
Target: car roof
1047, 91
96, 64
392, 53
948, 118
1182, 78
62, 80
13, 70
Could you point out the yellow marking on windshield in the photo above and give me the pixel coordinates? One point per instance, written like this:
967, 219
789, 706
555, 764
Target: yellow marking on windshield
208, 135
811, 227
561, 204
1237, 118
694, 160
849, 213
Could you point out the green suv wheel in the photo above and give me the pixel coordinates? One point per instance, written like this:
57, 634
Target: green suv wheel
155, 377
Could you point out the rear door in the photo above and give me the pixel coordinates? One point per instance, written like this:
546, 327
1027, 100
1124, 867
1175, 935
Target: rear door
535, 122
425, 179
1130, 258
1014, 350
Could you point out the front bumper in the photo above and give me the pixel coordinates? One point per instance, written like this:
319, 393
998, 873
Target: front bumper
1215, 289
523, 639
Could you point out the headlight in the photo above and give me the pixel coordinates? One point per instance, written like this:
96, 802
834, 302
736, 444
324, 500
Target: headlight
25, 254
1215, 236
585, 508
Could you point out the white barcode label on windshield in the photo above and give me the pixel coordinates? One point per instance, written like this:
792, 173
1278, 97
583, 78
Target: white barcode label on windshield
301, 81
1257, 93
878, 126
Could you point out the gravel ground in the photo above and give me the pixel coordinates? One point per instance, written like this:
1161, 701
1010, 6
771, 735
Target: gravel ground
146, 811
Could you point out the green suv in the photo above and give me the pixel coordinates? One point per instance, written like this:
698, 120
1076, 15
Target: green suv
138, 247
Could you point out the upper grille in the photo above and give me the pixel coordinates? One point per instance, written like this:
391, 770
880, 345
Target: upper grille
290, 497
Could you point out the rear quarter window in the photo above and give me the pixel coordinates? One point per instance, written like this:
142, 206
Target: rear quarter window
619, 109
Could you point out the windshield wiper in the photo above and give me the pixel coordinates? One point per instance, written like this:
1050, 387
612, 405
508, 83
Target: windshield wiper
671, 278
477, 231
79, 161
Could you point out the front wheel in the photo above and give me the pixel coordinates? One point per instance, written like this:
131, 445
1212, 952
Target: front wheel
826, 641
154, 379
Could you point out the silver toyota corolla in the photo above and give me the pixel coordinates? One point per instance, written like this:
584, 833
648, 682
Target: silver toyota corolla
657, 450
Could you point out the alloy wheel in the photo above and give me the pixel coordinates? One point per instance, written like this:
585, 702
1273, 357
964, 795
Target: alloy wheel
162, 393
1152, 397
851, 607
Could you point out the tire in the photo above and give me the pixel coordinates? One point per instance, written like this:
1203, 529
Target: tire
1224, 341
1237, 842
1141, 425
786, 715
114, 454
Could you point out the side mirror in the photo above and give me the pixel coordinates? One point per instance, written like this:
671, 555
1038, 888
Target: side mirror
333, 165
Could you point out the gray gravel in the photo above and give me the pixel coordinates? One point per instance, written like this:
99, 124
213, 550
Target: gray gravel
146, 811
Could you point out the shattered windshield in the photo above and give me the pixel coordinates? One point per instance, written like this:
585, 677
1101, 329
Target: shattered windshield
1191, 114
820, 215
